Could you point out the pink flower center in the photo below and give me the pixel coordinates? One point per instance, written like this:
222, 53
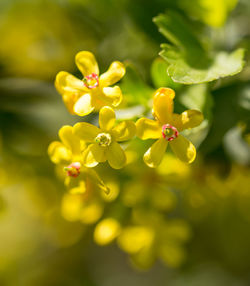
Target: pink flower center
73, 170
91, 81
169, 132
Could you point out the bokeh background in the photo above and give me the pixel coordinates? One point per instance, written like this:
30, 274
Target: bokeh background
181, 225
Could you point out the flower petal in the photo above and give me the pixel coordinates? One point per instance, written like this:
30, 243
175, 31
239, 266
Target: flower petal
187, 119
58, 153
70, 87
93, 155
83, 105
86, 131
163, 104
147, 128
183, 149
66, 82
86, 63
106, 118
124, 130
69, 139
155, 153
115, 72
116, 156
113, 95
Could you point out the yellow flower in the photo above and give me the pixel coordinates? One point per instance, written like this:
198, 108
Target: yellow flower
67, 154
104, 140
84, 96
166, 128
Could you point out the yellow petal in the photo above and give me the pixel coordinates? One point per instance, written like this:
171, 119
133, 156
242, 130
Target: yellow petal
106, 118
66, 82
113, 95
116, 156
115, 72
58, 153
86, 63
155, 153
86, 131
70, 87
183, 149
163, 104
83, 105
71, 207
124, 130
147, 128
135, 238
93, 155
106, 231
187, 119
69, 139
91, 212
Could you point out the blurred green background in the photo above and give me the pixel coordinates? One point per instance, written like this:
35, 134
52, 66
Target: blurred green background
203, 226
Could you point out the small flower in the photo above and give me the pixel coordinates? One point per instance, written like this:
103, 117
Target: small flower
67, 154
92, 92
104, 140
166, 128
73, 170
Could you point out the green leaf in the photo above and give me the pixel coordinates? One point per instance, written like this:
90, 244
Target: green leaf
159, 75
189, 62
197, 97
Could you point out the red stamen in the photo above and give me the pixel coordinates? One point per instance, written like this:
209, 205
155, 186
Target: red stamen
88, 78
166, 128
73, 170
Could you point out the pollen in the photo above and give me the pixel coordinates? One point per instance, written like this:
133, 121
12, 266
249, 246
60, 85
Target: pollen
169, 132
103, 139
73, 170
91, 81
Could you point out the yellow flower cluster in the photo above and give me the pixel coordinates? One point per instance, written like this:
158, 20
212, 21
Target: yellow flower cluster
83, 146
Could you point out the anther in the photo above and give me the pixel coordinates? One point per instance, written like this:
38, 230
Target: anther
91, 81
73, 170
103, 139
169, 132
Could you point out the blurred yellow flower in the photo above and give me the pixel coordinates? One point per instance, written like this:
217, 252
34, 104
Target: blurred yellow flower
166, 128
85, 207
68, 155
93, 92
106, 231
104, 140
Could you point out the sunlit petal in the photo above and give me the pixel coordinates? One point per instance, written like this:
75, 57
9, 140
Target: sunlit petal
113, 95
187, 119
83, 105
183, 149
163, 104
86, 131
115, 72
124, 130
106, 118
147, 128
69, 139
155, 153
86, 63
93, 155
116, 156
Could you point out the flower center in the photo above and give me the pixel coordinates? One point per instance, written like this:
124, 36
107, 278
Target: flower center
91, 81
103, 139
73, 170
169, 132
